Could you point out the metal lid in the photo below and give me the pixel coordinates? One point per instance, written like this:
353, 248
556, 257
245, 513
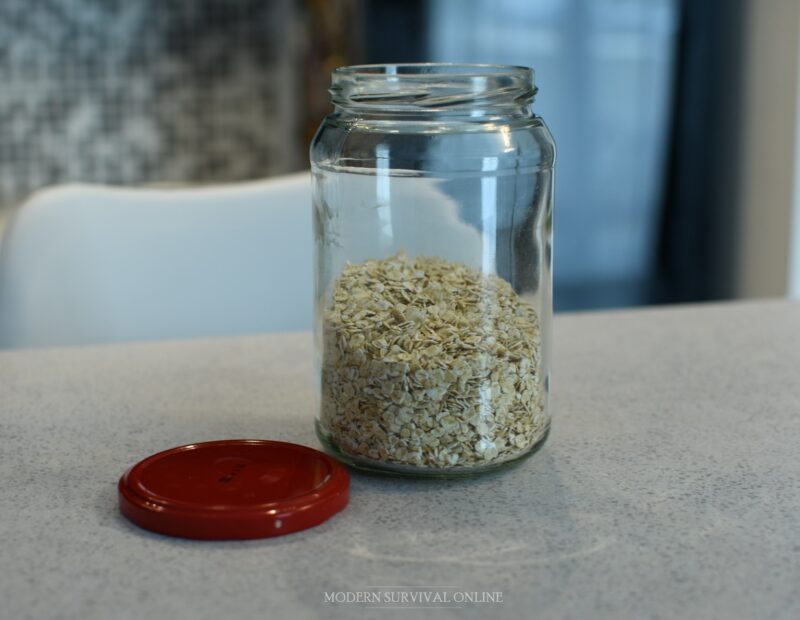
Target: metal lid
240, 488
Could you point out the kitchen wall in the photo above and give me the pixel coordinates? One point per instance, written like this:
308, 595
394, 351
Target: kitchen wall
768, 200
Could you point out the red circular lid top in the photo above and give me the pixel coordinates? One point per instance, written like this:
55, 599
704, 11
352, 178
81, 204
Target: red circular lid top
240, 488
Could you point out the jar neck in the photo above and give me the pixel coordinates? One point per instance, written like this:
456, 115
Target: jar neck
433, 90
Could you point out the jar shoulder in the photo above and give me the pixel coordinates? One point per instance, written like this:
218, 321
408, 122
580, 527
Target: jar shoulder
523, 141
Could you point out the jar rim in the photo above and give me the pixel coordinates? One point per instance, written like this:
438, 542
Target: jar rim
430, 86
429, 69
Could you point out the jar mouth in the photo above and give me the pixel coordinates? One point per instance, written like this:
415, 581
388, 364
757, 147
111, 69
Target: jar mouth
431, 86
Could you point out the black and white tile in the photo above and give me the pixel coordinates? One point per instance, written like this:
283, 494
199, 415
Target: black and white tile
146, 91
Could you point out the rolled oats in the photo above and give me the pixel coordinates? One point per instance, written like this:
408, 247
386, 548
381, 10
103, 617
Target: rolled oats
431, 364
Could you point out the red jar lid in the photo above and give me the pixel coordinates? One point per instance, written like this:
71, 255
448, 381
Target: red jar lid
240, 488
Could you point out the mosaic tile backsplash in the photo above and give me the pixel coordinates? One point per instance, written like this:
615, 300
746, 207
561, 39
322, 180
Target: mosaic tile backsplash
146, 91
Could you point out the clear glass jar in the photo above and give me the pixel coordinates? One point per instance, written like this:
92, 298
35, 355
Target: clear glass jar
433, 194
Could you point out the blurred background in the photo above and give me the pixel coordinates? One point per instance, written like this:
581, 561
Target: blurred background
676, 120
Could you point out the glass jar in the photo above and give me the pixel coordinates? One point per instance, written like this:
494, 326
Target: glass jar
432, 197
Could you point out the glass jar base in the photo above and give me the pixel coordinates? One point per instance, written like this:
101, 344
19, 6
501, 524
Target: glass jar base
412, 471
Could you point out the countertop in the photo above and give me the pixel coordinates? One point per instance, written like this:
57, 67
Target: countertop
669, 486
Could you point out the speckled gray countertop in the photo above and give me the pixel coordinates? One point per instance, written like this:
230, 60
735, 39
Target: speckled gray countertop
669, 487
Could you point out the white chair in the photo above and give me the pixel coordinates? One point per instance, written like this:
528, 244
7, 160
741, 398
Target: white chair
86, 264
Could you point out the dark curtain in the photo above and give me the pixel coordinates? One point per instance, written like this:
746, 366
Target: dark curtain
396, 31
695, 252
